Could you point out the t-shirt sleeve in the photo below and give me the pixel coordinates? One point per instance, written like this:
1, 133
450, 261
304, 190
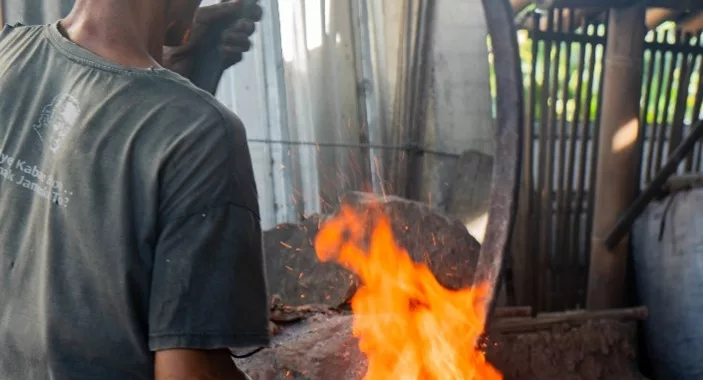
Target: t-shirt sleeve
208, 285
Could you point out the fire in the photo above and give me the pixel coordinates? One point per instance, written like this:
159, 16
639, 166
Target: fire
408, 325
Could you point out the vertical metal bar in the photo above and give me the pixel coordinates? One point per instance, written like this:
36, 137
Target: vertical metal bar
664, 126
540, 247
548, 195
698, 102
562, 255
653, 142
593, 164
582, 161
548, 191
528, 180
680, 106
570, 221
644, 137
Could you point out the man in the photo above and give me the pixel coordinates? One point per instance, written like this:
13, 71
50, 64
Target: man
130, 236
232, 43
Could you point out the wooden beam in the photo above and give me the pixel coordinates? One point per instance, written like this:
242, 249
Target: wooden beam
571, 318
681, 5
617, 154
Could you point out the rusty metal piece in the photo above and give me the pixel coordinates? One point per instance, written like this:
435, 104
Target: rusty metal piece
506, 167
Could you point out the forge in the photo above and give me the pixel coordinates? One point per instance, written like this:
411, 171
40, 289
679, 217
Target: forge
312, 343
405, 318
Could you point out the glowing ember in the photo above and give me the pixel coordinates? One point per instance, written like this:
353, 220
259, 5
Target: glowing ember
408, 325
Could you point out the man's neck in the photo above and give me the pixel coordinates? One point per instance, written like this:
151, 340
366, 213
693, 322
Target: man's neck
127, 32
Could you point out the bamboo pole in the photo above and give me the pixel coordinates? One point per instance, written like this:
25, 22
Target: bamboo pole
617, 160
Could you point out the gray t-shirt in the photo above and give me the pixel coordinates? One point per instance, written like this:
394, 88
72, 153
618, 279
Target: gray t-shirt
130, 220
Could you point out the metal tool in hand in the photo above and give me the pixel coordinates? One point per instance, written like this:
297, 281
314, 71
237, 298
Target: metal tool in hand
209, 65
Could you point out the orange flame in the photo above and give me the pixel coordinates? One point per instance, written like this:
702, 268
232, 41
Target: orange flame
409, 326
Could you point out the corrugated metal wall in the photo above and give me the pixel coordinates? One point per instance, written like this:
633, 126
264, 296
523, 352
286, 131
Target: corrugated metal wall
318, 97
296, 90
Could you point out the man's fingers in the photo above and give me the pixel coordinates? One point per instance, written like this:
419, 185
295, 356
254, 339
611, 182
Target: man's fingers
236, 42
255, 12
230, 55
217, 12
241, 26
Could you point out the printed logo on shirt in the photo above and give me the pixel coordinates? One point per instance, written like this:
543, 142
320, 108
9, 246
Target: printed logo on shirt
57, 119
55, 122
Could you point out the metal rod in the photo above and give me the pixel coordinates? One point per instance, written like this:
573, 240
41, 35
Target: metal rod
562, 214
624, 223
643, 136
539, 246
584, 139
523, 255
654, 141
406, 147
680, 104
574, 213
664, 127
548, 191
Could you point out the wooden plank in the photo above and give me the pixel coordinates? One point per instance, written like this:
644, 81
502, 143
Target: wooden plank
620, 4
547, 321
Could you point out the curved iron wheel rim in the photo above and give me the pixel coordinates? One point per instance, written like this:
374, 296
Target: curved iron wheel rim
508, 139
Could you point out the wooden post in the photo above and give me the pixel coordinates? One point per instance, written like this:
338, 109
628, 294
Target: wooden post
617, 153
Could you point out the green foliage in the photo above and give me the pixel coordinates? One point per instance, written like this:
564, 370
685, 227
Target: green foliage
661, 88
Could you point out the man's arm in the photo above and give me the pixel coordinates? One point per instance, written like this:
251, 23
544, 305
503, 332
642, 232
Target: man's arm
196, 365
208, 289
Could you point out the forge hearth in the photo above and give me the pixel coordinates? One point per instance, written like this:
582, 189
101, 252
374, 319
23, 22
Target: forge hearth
317, 344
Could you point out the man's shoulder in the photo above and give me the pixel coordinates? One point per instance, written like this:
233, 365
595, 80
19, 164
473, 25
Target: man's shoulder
16, 30
195, 111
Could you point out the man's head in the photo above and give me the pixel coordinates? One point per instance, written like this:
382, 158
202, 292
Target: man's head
179, 20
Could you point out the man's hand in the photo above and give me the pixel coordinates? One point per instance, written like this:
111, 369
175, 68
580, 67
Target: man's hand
233, 22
